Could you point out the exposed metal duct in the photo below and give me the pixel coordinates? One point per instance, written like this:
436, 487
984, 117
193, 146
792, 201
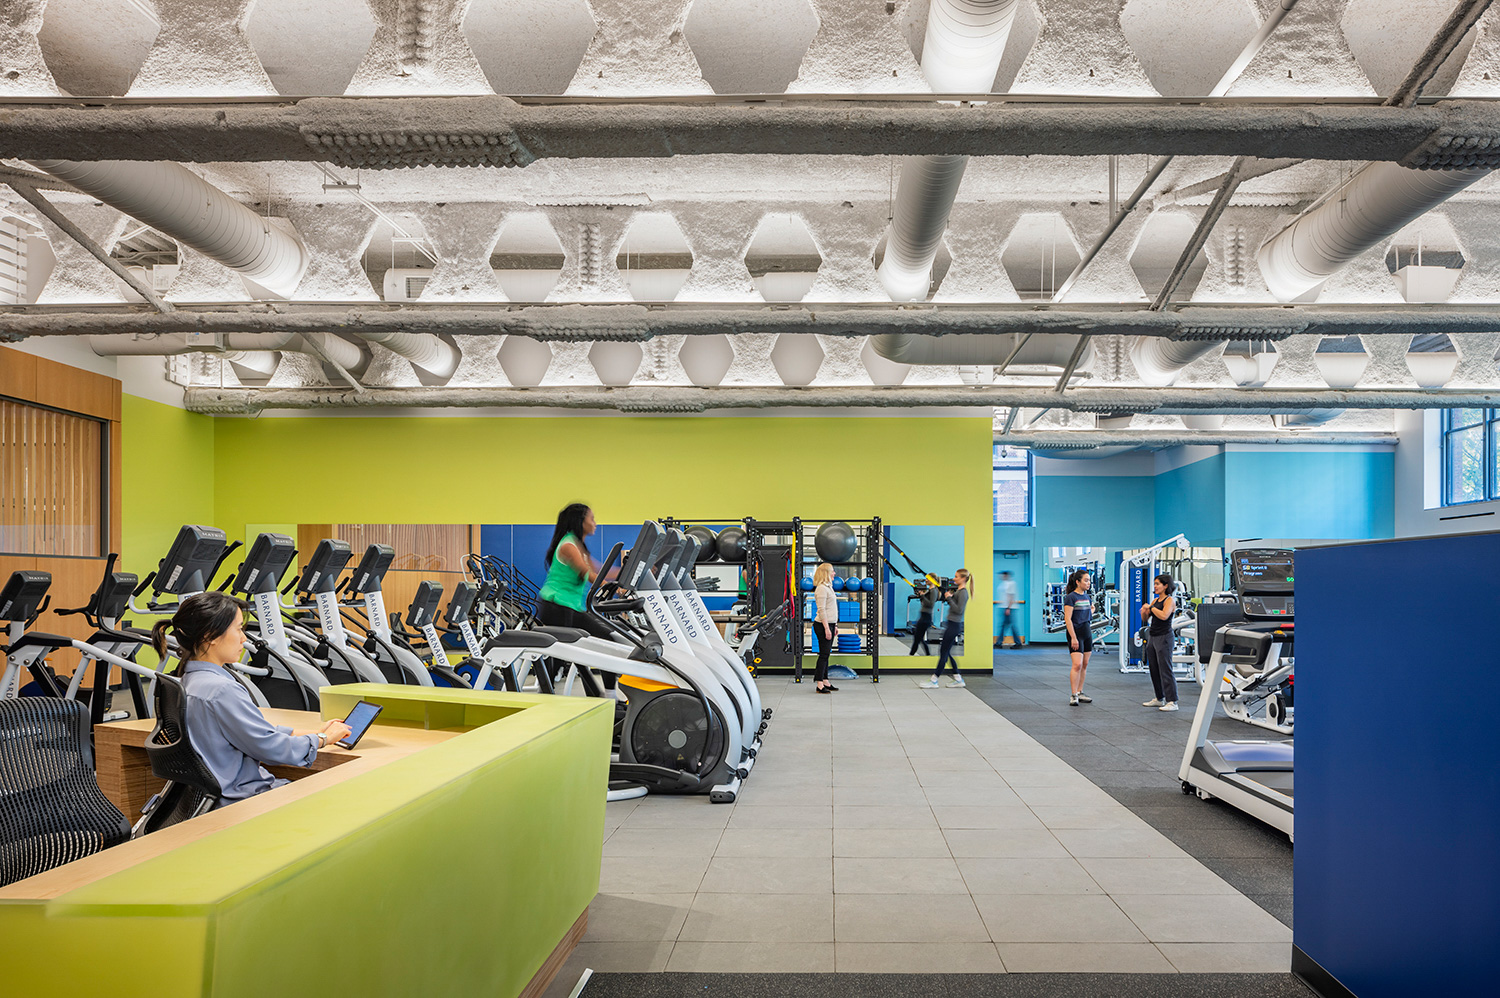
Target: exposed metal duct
177, 202
964, 44
1371, 206
255, 352
1023, 350
428, 353
1045, 440
1159, 361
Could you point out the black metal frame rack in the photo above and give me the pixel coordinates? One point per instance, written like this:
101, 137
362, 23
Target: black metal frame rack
872, 549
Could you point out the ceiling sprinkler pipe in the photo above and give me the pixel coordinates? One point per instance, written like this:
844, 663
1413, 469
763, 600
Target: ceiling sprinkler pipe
433, 355
1370, 207
178, 203
961, 53
1159, 361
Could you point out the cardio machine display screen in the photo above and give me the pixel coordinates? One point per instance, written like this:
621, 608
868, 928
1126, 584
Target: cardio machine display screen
1264, 571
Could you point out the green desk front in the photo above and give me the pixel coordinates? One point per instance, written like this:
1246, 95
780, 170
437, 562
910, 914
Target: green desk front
452, 867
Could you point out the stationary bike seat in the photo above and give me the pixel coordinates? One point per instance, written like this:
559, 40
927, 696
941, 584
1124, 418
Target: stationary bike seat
520, 639
567, 635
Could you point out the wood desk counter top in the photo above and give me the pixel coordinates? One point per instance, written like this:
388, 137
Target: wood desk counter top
126, 778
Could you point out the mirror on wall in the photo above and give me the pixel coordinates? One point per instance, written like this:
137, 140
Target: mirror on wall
916, 556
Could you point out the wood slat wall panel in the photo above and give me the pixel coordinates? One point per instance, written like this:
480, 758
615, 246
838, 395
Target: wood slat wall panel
52, 493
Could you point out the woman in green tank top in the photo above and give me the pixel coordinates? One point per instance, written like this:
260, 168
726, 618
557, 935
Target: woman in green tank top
570, 571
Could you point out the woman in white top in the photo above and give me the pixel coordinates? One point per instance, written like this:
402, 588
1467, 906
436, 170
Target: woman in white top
825, 624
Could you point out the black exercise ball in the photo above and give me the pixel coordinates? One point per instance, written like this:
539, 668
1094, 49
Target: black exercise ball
707, 542
732, 544
836, 542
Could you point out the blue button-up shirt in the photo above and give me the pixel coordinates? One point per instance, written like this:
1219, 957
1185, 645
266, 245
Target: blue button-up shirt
233, 737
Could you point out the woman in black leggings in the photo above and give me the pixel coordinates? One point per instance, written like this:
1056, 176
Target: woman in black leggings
1159, 641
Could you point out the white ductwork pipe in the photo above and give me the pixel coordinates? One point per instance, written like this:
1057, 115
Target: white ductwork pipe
1159, 360
961, 53
252, 351
1371, 206
431, 354
1042, 350
177, 202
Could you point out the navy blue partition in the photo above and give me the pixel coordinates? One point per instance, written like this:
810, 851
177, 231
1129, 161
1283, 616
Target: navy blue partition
1397, 864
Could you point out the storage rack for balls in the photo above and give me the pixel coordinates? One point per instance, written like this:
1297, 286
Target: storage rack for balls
861, 601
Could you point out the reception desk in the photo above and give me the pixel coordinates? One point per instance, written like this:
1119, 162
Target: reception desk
454, 851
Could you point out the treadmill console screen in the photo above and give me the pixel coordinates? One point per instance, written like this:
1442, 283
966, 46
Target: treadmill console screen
1263, 571
190, 561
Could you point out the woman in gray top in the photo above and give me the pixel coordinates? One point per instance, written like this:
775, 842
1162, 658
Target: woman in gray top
958, 599
928, 596
225, 728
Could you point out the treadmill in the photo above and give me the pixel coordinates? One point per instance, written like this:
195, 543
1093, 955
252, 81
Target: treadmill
1252, 775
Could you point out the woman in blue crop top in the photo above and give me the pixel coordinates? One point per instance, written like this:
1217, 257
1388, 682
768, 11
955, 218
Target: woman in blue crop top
1078, 612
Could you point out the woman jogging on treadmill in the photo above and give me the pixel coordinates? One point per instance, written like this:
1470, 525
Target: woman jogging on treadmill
1159, 641
1078, 611
825, 624
224, 726
570, 572
958, 599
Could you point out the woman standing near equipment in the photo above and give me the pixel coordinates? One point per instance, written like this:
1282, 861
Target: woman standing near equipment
919, 630
570, 571
958, 599
1078, 612
825, 624
1159, 643
225, 728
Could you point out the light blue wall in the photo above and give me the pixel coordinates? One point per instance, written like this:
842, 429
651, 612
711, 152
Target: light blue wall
939, 550
1190, 500
1337, 496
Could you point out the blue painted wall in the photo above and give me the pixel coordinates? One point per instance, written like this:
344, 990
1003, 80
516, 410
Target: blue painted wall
937, 549
1190, 500
1339, 496
1398, 824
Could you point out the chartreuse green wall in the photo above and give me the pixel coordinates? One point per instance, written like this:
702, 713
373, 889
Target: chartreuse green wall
522, 470
167, 478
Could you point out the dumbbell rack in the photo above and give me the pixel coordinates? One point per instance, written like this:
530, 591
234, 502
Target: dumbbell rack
872, 564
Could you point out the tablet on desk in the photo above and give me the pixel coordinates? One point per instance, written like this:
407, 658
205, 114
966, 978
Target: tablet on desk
359, 721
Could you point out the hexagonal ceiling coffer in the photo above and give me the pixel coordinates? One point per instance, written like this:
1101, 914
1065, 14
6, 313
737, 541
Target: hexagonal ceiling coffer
1341, 360
1185, 48
528, 257
310, 49
706, 359
797, 357
1039, 255
654, 257
1163, 238
615, 363
1388, 36
525, 360
750, 46
782, 258
94, 48
527, 47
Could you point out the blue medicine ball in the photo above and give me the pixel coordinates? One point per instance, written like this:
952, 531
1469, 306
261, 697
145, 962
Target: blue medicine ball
838, 583
868, 585
806, 585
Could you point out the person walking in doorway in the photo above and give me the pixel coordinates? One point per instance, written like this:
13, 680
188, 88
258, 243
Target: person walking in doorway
919, 630
825, 624
1078, 613
1159, 640
1010, 600
958, 599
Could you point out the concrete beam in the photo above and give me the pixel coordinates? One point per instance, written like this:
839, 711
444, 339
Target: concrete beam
639, 323
380, 132
655, 399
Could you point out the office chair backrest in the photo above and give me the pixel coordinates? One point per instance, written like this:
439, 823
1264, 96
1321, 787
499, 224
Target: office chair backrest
171, 754
51, 808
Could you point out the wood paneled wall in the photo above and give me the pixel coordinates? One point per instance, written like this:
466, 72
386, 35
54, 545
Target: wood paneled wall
441, 561
28, 379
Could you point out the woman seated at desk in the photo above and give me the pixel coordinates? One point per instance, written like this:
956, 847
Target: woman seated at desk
224, 725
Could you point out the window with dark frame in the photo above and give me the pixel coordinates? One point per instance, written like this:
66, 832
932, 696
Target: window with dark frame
1011, 467
54, 482
1470, 455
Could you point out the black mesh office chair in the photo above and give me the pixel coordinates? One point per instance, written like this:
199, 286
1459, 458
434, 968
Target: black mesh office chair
51, 808
191, 787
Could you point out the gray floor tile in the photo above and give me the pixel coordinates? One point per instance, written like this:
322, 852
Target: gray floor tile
751, 958
1178, 918
920, 918
875, 842
770, 842
637, 917
644, 875
1183, 875
1140, 842
985, 782
754, 794
1054, 918
634, 957
1216, 958
678, 812
903, 795
1073, 796
897, 875
1026, 876
1005, 843
961, 816
785, 816
762, 875
760, 918
918, 958
869, 816
961, 796
1093, 958
663, 843
1102, 816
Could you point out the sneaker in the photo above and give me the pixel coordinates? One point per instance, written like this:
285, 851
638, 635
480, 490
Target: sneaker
957, 681
1073, 700
931, 684
1084, 698
1171, 705
1153, 702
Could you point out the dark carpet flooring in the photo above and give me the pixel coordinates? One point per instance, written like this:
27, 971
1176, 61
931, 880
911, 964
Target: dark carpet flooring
1133, 753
